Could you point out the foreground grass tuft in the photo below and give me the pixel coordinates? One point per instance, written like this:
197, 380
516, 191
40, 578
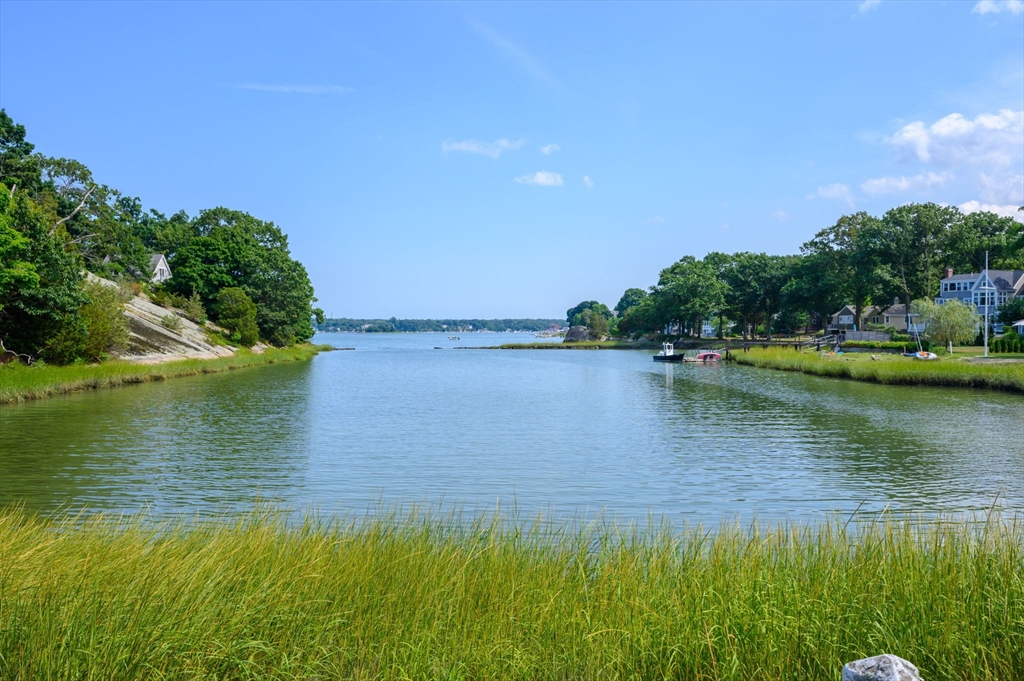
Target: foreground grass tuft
890, 369
414, 598
19, 383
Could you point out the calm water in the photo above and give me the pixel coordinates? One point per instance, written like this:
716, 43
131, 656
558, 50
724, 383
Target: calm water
577, 432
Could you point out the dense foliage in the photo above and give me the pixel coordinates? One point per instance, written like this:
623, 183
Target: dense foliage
861, 260
436, 325
57, 222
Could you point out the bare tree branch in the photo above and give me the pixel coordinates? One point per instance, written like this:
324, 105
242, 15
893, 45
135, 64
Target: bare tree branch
29, 359
81, 238
13, 187
74, 212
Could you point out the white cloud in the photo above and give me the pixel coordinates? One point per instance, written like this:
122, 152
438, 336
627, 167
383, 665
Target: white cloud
525, 60
587, 181
541, 178
490, 149
990, 139
836, 192
1007, 211
299, 89
995, 6
868, 5
549, 149
902, 184
655, 220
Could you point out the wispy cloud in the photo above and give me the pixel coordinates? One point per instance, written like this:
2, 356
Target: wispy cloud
587, 181
877, 186
868, 5
541, 178
549, 149
297, 89
997, 6
781, 216
836, 192
525, 60
490, 149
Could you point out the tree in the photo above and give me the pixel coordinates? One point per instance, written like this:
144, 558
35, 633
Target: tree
106, 328
16, 273
631, 298
237, 313
594, 320
688, 292
981, 233
1012, 310
234, 249
574, 315
952, 322
909, 245
19, 167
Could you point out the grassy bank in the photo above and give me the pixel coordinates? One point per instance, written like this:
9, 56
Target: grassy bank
18, 382
891, 369
408, 598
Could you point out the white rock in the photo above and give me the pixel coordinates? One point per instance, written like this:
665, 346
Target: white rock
881, 668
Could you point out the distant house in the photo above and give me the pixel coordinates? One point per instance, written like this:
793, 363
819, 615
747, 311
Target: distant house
986, 291
894, 315
1018, 326
158, 268
846, 319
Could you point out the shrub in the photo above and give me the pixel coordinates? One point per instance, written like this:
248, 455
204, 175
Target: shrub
193, 309
106, 328
172, 322
237, 313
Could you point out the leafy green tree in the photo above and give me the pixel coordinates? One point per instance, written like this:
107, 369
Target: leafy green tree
1012, 310
40, 316
16, 273
909, 244
688, 292
574, 315
952, 322
631, 298
981, 233
234, 249
639, 319
237, 313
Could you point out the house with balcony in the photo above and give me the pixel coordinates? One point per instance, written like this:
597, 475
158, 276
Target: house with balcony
986, 291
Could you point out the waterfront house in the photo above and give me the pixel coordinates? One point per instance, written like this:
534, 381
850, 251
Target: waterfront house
986, 291
158, 268
845, 319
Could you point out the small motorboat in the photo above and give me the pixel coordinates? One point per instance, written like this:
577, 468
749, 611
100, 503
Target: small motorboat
924, 355
668, 354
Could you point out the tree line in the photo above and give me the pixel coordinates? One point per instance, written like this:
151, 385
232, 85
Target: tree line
57, 223
393, 325
861, 260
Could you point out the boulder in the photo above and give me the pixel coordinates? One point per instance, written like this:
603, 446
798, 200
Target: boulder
575, 334
881, 668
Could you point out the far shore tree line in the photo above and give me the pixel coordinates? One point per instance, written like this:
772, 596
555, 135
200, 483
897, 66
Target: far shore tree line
57, 223
859, 261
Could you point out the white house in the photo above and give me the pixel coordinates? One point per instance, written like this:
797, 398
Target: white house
159, 268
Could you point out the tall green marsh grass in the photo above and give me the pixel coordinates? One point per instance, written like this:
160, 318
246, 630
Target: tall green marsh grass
890, 369
19, 383
407, 597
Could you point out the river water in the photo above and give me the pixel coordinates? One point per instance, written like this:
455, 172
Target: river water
396, 422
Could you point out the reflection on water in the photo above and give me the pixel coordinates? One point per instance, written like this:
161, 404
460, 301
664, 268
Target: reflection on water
396, 421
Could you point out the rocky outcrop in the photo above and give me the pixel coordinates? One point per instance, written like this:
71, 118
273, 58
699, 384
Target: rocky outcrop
150, 341
575, 334
881, 668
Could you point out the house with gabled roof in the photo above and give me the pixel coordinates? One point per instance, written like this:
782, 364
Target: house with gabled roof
986, 290
159, 270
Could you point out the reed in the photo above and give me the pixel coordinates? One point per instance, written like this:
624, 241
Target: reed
408, 597
890, 369
19, 383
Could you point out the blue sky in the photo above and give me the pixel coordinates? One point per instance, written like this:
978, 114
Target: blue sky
510, 160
